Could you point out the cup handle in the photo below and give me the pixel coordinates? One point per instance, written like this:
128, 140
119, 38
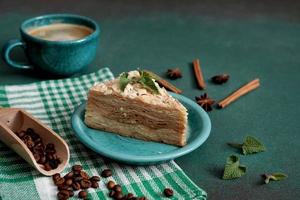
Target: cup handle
6, 54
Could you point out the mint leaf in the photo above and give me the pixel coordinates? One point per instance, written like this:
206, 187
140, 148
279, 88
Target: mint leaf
274, 177
145, 80
251, 145
149, 84
123, 82
233, 169
153, 75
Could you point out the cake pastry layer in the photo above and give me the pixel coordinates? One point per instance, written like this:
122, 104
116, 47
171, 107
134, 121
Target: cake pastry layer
136, 112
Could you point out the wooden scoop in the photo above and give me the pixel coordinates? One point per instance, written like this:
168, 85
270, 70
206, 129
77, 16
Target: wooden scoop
13, 120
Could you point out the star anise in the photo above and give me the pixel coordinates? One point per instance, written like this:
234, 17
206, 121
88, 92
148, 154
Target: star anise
220, 79
205, 102
174, 73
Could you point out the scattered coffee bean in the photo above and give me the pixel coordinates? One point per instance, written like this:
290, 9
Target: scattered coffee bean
111, 193
69, 182
44, 155
106, 173
129, 196
95, 184
118, 195
110, 185
117, 188
142, 198
77, 168
71, 193
69, 175
85, 183
168, 192
55, 176
59, 181
77, 178
62, 187
84, 175
76, 186
95, 178
82, 194
63, 195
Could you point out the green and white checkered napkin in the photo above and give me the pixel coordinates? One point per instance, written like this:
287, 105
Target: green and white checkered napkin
53, 103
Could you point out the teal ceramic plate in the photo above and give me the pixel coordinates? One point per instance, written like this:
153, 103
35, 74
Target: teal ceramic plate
139, 152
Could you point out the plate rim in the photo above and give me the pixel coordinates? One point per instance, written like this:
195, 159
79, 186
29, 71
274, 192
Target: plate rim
126, 158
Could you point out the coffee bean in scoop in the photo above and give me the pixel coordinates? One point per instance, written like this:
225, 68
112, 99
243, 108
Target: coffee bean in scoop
44, 155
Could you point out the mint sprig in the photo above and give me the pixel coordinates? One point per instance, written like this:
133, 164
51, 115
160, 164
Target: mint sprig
145, 80
233, 168
123, 82
278, 176
250, 145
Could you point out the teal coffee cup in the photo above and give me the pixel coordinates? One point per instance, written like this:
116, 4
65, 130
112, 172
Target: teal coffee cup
60, 44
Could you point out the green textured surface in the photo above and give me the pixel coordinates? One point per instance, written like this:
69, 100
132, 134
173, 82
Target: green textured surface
260, 40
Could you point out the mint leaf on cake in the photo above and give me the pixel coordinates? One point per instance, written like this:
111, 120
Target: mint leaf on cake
134, 105
123, 81
143, 78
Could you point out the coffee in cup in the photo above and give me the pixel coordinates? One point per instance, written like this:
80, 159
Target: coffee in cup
61, 32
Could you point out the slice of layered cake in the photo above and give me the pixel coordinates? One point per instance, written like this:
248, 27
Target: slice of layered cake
134, 105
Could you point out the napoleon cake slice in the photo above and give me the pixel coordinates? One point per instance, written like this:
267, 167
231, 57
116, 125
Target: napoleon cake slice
133, 105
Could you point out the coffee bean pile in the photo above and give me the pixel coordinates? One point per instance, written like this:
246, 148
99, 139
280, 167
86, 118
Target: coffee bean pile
44, 155
75, 180
79, 180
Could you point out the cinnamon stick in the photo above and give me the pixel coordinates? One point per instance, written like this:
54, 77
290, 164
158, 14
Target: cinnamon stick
164, 83
240, 92
168, 86
198, 74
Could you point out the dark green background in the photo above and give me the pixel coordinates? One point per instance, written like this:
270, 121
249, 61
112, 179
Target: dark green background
247, 39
